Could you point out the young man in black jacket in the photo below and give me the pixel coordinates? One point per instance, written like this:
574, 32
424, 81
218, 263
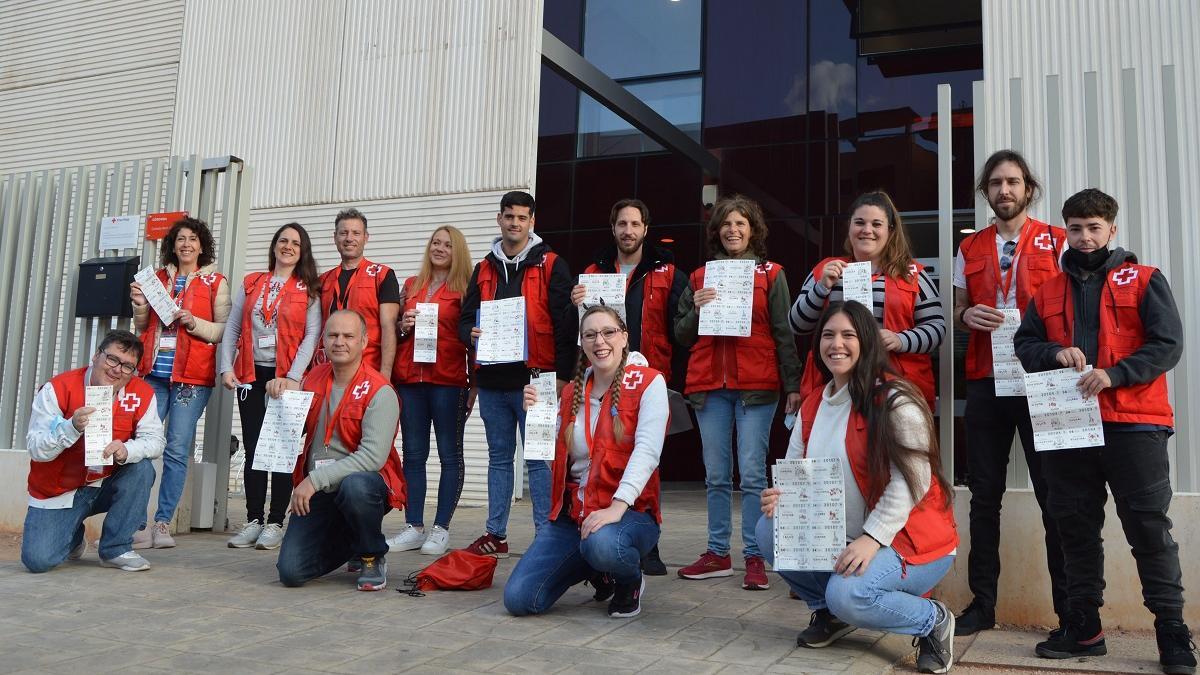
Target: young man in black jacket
1108, 311
519, 265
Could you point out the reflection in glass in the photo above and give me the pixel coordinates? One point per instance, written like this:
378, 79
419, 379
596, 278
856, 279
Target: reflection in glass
602, 132
636, 38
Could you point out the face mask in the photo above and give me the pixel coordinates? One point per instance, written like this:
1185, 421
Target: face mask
1087, 261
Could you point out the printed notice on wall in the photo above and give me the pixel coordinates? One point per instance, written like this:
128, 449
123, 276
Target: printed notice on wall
731, 312
1062, 418
98, 432
1006, 367
280, 440
502, 331
541, 420
119, 232
810, 518
425, 333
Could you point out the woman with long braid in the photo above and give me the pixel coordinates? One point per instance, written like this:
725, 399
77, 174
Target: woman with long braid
604, 512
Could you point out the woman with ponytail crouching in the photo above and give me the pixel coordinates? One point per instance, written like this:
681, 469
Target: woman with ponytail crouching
604, 512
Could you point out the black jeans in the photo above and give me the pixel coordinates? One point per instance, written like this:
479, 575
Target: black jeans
253, 409
991, 421
1135, 467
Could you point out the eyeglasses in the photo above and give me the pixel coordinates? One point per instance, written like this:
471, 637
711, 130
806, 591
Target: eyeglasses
113, 362
608, 334
1006, 260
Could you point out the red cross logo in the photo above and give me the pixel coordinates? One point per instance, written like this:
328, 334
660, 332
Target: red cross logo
632, 379
661, 269
912, 269
300, 286
360, 390
373, 270
130, 402
209, 279
1044, 242
1125, 276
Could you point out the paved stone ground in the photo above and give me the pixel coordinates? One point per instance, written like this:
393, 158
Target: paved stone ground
204, 607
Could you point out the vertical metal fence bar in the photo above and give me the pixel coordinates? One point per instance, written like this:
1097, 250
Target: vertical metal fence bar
945, 159
8, 252
83, 187
1054, 146
1131, 202
1091, 126
15, 319
36, 294
1184, 457
54, 288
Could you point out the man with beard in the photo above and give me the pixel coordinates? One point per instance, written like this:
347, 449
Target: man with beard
652, 289
1000, 267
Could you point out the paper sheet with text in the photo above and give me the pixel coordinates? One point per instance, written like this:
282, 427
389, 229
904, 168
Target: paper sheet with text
732, 310
502, 331
541, 420
1006, 367
810, 519
425, 333
99, 431
1062, 418
280, 439
157, 295
856, 284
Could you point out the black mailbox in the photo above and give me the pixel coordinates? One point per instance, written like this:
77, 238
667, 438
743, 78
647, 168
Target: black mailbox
104, 286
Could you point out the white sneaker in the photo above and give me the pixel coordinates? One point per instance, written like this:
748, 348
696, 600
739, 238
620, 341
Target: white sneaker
143, 539
437, 542
161, 533
409, 538
270, 538
248, 536
129, 561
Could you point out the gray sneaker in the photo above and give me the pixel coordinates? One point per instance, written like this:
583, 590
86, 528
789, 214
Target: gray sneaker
935, 652
143, 539
373, 575
248, 536
270, 538
77, 552
406, 540
128, 561
161, 533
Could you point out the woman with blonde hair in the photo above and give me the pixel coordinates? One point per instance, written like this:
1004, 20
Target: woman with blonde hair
434, 392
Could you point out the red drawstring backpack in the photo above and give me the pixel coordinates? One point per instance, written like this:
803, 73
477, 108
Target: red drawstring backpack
458, 570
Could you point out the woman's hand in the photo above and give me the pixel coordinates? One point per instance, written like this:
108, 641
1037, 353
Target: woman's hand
791, 405
578, 293
598, 519
704, 296
229, 381
891, 341
832, 273
857, 556
136, 296
768, 500
277, 386
186, 319
408, 321
531, 397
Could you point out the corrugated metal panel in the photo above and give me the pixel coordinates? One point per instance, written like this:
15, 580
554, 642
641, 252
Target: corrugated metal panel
399, 231
1138, 61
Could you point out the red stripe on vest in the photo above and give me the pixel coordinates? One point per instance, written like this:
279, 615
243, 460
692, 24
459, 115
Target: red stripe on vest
450, 369
738, 363
290, 323
195, 360
535, 288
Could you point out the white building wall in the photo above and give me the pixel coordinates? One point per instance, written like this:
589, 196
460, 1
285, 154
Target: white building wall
1106, 94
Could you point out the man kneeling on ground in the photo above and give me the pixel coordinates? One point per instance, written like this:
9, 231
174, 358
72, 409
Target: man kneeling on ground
349, 474
63, 489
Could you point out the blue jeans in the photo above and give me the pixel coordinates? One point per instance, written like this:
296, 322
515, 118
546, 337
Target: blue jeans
558, 559
50, 534
338, 525
180, 407
886, 597
503, 412
721, 414
445, 408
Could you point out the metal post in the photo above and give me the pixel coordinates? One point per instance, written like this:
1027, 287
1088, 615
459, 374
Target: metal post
29, 322
55, 286
8, 243
945, 157
16, 325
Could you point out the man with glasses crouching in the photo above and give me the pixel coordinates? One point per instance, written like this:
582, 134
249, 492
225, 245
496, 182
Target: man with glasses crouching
64, 489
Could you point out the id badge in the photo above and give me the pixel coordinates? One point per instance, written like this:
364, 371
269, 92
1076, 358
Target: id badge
266, 341
323, 462
167, 343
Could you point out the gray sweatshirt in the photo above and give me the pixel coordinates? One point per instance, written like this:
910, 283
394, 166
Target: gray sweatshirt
378, 434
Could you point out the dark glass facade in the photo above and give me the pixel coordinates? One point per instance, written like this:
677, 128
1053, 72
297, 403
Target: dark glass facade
806, 103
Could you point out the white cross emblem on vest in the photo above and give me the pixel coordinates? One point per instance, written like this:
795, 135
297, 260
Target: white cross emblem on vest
373, 270
209, 279
912, 269
360, 390
130, 402
1044, 242
632, 379
300, 286
1124, 277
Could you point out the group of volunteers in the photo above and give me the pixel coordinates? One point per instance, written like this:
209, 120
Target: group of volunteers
863, 397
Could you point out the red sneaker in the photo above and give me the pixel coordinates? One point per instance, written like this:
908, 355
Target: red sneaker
489, 544
709, 565
756, 574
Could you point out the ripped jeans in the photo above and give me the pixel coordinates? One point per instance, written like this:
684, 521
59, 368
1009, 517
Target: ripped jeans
180, 407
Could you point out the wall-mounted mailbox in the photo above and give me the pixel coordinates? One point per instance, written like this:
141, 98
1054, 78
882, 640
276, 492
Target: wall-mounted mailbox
104, 286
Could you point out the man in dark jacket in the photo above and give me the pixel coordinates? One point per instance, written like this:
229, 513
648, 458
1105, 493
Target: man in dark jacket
519, 265
1108, 311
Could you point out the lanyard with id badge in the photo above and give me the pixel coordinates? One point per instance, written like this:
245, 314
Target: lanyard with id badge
267, 341
168, 340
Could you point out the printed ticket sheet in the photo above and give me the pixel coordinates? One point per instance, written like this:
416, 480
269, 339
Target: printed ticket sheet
425, 333
1006, 367
1062, 418
541, 420
156, 294
856, 284
730, 313
502, 326
810, 518
279, 440
606, 288
98, 432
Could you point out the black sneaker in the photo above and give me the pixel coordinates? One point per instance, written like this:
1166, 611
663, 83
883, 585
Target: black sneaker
652, 564
974, 618
604, 585
935, 652
373, 575
1082, 636
823, 630
627, 600
1176, 651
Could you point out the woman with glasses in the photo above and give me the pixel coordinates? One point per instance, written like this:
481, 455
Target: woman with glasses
604, 513
273, 329
900, 532
734, 384
433, 392
905, 301
179, 356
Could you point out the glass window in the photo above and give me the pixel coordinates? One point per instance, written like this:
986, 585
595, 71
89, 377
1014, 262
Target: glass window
637, 38
602, 132
833, 53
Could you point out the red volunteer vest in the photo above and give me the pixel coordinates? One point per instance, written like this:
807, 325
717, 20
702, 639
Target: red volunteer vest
721, 362
1121, 333
195, 359
1037, 262
451, 366
68, 471
362, 296
290, 323
348, 424
930, 532
535, 288
656, 291
609, 454
900, 298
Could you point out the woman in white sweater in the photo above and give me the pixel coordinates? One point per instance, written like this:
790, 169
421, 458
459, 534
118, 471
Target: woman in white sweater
900, 533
